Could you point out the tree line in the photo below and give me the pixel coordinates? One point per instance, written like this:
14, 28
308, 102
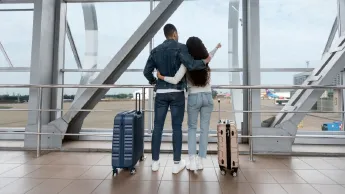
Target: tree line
25, 98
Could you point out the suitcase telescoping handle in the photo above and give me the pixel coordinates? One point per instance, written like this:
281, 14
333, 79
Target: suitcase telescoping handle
137, 102
219, 110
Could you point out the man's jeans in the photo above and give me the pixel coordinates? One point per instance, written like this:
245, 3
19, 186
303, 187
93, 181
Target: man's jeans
203, 103
176, 101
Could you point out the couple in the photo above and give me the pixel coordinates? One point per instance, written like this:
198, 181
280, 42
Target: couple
173, 60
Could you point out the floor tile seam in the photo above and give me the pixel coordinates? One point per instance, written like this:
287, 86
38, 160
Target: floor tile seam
336, 183
85, 173
96, 186
105, 155
328, 176
10, 169
15, 179
336, 168
14, 157
271, 176
306, 163
330, 163
35, 186
295, 174
325, 162
160, 180
251, 186
315, 188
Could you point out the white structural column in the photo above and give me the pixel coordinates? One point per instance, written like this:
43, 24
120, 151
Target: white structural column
254, 77
47, 58
235, 78
72, 120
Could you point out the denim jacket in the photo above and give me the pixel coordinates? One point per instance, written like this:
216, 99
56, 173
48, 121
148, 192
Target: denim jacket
167, 59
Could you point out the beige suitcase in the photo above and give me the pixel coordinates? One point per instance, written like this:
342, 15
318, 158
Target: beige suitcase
227, 147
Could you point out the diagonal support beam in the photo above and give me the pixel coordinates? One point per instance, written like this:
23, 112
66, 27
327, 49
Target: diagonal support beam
303, 99
73, 46
72, 121
5, 55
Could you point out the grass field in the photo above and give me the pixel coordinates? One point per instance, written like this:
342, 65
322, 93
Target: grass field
105, 119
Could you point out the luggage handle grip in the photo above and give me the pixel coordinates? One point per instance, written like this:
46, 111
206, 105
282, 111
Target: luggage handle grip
137, 102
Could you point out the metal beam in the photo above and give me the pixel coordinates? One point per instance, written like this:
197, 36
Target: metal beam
331, 36
97, 1
76, 1
72, 121
15, 9
9, 62
304, 99
14, 69
73, 47
213, 70
16, 1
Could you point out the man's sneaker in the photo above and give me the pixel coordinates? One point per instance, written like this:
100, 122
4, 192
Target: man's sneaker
178, 167
199, 163
192, 163
155, 166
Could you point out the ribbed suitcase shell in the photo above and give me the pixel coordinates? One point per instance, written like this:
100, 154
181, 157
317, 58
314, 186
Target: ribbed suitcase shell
128, 140
227, 146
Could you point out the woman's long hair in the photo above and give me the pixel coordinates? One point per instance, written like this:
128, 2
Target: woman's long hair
198, 50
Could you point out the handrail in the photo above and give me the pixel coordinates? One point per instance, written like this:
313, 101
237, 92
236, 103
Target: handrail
109, 86
218, 70
211, 135
148, 110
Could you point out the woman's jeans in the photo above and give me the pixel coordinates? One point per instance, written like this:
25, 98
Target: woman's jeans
203, 103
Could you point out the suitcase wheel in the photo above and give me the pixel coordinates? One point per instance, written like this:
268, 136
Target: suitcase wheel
142, 158
223, 172
133, 171
234, 172
115, 171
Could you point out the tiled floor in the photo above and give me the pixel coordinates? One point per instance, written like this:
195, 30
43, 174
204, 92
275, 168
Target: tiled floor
85, 173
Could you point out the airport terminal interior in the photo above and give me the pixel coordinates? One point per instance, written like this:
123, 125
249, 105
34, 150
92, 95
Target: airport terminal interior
69, 67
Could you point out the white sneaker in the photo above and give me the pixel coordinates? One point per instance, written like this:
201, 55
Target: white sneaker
199, 163
187, 163
155, 166
192, 163
178, 167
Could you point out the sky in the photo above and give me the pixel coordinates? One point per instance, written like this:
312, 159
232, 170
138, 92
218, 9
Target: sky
291, 33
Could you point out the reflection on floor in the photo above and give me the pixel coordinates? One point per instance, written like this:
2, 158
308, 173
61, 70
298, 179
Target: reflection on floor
85, 173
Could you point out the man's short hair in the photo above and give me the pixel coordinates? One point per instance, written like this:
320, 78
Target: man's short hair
169, 30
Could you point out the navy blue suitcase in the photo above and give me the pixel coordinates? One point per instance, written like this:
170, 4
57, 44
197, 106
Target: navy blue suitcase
128, 139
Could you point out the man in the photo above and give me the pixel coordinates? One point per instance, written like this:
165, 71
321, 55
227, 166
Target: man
167, 59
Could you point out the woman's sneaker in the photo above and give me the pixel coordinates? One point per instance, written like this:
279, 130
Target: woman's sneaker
192, 163
199, 163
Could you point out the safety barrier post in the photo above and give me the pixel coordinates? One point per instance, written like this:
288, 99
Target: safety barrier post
39, 113
250, 124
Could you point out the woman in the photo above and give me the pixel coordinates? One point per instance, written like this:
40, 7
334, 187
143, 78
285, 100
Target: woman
199, 100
